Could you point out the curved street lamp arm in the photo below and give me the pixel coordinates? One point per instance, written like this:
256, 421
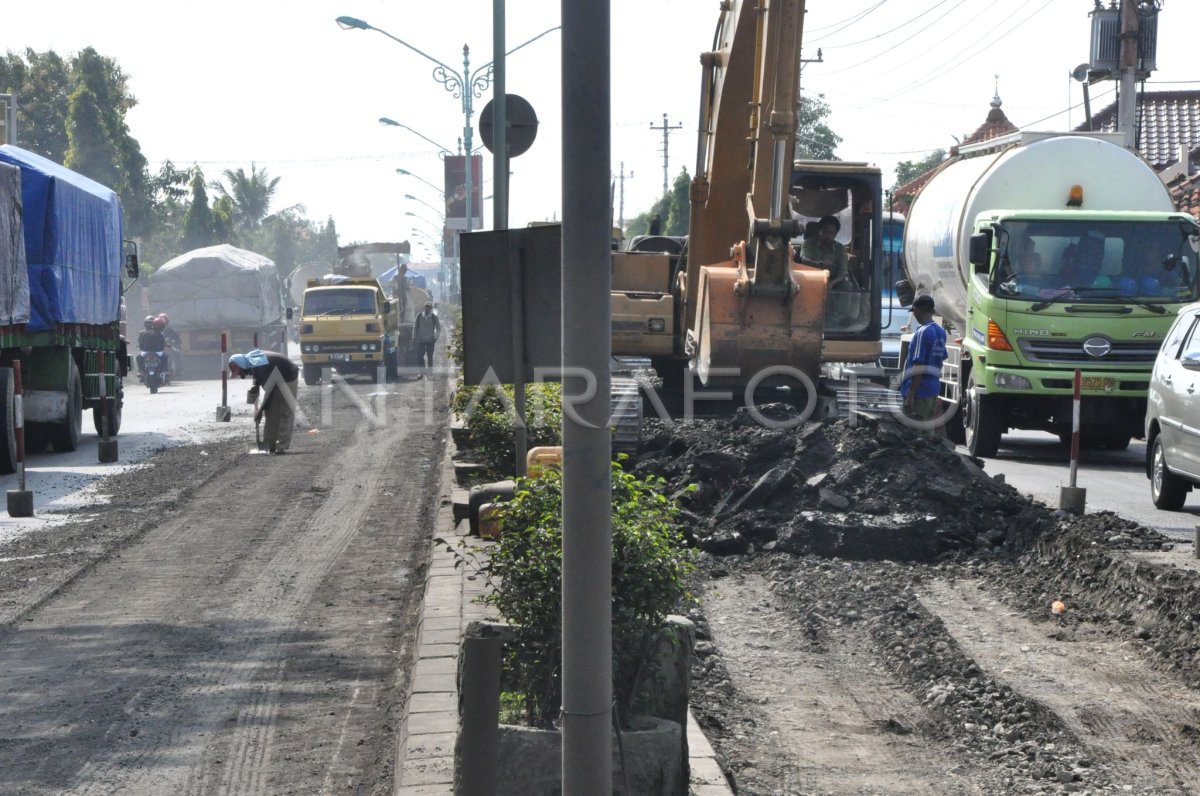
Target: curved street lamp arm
547, 32
393, 123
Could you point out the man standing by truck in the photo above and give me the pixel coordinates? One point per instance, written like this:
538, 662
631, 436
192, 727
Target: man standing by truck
923, 368
425, 334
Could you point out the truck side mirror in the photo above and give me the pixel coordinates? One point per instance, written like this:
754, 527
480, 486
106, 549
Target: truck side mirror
291, 312
387, 307
979, 251
905, 292
131, 266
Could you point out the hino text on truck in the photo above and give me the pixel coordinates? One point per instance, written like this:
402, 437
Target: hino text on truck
1047, 253
60, 302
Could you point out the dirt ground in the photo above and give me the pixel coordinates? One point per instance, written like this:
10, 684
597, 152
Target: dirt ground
226, 621
877, 615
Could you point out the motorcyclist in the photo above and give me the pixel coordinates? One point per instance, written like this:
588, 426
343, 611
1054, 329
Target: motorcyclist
173, 343
151, 339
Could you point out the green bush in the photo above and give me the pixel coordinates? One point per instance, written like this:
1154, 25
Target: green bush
649, 566
491, 421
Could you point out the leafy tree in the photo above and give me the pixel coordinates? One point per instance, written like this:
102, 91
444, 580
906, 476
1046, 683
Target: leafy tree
909, 170
198, 221
41, 83
675, 208
90, 149
251, 194
815, 140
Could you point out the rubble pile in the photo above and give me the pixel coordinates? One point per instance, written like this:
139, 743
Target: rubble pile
862, 490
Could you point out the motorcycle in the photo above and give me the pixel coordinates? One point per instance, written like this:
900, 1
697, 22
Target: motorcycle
152, 374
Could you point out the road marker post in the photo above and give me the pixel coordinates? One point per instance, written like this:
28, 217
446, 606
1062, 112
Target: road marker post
1073, 498
107, 449
224, 413
20, 501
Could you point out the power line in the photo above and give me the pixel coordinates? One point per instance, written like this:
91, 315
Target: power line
893, 30
970, 52
909, 40
848, 20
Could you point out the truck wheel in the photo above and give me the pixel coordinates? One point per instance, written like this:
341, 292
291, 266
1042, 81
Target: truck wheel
982, 425
1166, 489
8, 434
37, 438
64, 437
312, 374
955, 431
1117, 441
114, 413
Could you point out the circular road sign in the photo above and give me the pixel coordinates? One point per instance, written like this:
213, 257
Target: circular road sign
522, 125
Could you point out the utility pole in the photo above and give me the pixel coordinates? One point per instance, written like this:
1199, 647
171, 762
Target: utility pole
666, 131
1127, 98
621, 195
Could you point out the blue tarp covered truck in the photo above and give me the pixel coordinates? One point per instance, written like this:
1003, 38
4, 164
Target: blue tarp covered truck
61, 257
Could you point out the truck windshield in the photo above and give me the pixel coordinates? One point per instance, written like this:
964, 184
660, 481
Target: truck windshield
344, 301
1097, 261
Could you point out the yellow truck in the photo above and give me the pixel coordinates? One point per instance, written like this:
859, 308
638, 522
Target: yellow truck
348, 323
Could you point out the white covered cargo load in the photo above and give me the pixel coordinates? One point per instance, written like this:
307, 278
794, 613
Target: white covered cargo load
217, 287
1035, 172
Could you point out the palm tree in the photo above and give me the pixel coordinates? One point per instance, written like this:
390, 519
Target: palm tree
251, 195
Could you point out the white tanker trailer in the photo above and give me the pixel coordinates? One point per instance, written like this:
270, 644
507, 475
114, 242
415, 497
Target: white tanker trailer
1044, 254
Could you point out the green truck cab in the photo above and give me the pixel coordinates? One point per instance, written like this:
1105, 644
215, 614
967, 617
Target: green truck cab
1048, 254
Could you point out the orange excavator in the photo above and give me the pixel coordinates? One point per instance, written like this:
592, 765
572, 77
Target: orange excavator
731, 304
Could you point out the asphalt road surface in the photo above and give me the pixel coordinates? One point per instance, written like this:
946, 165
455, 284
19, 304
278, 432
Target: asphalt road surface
221, 621
1037, 465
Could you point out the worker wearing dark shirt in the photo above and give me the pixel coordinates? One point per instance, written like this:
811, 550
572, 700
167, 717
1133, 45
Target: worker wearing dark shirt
269, 369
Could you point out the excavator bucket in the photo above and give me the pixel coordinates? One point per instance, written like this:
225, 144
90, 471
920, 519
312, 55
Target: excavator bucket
759, 340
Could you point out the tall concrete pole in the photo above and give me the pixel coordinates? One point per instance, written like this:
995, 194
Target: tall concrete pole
1127, 99
587, 440
499, 121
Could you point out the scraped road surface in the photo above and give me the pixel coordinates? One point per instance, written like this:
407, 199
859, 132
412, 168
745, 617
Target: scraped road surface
232, 623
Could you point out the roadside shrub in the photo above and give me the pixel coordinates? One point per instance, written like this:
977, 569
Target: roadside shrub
491, 420
650, 564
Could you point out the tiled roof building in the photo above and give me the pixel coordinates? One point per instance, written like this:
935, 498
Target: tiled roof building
994, 125
1167, 121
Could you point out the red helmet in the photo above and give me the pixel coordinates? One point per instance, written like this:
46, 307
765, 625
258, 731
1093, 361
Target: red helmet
159, 324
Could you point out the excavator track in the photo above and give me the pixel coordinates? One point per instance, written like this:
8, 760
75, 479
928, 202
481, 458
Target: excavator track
626, 415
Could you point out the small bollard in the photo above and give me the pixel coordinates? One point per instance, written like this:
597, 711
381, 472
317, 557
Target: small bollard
20, 503
20, 500
224, 413
1072, 499
108, 452
1196, 544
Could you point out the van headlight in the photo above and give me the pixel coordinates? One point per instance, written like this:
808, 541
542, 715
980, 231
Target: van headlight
1011, 381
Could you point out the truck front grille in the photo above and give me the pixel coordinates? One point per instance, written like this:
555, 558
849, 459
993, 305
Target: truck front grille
1070, 352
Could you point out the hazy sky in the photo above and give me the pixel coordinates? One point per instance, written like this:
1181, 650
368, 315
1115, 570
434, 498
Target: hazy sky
279, 84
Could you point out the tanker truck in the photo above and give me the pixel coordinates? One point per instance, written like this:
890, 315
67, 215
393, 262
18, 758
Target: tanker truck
61, 254
1047, 254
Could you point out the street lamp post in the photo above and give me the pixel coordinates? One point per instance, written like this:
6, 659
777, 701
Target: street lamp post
466, 87
407, 173
437, 212
443, 151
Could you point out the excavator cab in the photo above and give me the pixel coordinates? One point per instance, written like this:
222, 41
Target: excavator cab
849, 192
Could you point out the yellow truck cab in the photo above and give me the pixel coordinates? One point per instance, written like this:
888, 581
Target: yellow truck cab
349, 324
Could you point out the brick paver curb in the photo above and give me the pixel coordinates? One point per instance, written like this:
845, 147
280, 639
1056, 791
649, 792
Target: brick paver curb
425, 757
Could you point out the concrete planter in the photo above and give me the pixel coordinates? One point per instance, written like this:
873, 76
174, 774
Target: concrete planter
530, 761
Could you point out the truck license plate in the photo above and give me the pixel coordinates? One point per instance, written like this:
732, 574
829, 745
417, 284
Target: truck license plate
1097, 383
339, 357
